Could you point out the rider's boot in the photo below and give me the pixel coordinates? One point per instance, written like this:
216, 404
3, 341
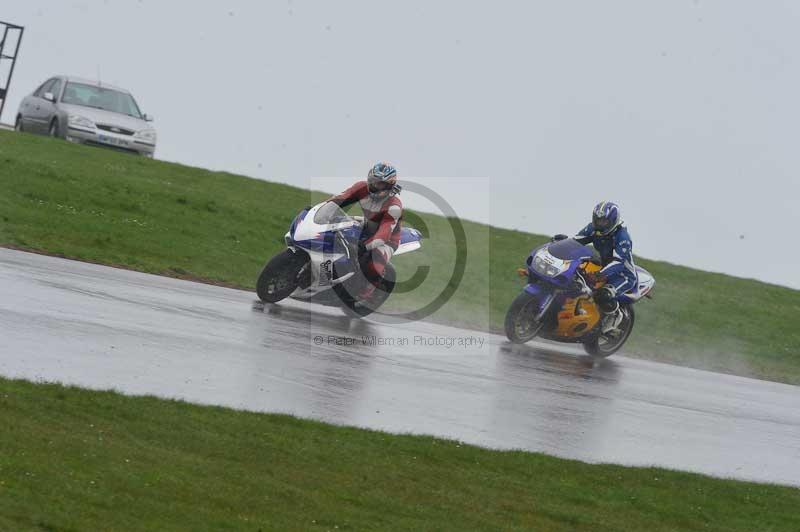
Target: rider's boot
367, 291
609, 306
611, 320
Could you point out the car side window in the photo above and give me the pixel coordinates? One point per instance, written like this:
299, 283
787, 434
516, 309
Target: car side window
44, 88
38, 92
55, 88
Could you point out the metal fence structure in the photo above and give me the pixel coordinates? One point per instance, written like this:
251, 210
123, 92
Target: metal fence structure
10, 38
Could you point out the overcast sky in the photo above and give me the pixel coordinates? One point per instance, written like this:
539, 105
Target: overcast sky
683, 112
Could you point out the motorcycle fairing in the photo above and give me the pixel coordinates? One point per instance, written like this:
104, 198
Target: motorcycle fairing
567, 251
320, 237
297, 219
410, 240
645, 284
577, 317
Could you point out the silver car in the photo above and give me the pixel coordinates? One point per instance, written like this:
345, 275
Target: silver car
87, 112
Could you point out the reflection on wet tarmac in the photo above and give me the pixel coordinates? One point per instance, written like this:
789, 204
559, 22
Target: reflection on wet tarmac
565, 411
104, 328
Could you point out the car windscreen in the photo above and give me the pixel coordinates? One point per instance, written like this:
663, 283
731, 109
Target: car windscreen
101, 98
330, 213
569, 249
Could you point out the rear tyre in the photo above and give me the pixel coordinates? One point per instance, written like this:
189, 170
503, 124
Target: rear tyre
520, 324
362, 309
607, 344
53, 131
18, 125
281, 276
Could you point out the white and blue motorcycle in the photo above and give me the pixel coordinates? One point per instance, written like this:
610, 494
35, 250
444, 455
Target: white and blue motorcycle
321, 262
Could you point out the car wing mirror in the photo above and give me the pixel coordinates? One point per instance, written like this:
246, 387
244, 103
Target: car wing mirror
50, 97
148, 118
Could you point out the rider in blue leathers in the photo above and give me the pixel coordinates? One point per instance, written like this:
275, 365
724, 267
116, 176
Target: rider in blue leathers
608, 235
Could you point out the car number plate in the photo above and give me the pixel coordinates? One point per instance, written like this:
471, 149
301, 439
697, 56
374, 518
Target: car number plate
111, 140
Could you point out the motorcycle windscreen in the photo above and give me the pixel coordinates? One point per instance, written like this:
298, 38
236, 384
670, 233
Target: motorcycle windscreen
330, 213
569, 249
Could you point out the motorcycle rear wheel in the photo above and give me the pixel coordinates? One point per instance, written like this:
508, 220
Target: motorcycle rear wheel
280, 276
606, 345
520, 324
361, 309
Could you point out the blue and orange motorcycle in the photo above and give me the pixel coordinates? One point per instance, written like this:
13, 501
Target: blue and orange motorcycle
557, 302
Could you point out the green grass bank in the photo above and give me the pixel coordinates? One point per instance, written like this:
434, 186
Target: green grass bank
73, 459
165, 218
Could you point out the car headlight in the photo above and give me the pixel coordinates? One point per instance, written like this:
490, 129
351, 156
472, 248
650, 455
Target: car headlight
80, 121
148, 135
550, 266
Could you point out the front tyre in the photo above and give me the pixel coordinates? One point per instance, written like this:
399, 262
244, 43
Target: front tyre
520, 323
280, 277
607, 344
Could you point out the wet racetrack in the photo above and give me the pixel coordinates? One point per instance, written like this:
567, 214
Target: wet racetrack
106, 328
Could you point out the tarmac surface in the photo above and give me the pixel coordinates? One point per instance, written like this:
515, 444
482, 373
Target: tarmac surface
106, 328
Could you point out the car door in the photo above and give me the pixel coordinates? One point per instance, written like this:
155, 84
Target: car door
27, 109
35, 113
49, 109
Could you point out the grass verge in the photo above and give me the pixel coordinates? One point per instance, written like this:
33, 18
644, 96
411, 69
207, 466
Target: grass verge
164, 218
73, 459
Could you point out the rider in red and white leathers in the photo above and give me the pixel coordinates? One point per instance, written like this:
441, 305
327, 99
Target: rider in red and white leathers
383, 214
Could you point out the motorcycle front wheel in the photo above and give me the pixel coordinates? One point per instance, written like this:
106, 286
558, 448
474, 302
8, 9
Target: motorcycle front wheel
520, 324
607, 344
280, 276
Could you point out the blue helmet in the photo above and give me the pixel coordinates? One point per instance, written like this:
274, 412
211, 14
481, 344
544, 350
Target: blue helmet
382, 180
606, 218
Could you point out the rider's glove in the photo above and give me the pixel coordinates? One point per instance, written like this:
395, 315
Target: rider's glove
593, 279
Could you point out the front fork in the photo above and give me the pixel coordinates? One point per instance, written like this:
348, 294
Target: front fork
546, 300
